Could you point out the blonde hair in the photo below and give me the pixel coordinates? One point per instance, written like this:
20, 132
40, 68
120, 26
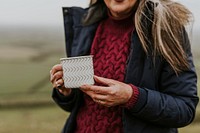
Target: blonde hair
168, 19
160, 25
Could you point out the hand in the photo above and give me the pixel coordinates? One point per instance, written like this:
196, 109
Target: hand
112, 94
56, 79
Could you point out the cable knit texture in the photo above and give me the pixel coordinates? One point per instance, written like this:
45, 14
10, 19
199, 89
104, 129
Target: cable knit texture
110, 49
133, 100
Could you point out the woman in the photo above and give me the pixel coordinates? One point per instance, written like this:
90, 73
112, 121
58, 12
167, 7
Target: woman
145, 80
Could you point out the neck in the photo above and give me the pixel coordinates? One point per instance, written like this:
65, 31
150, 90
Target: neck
118, 16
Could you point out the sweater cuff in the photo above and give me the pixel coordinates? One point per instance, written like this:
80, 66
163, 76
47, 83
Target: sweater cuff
134, 98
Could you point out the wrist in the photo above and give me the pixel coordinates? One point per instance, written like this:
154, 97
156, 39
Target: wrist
133, 97
65, 91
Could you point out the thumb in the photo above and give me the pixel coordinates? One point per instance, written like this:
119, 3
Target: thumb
104, 81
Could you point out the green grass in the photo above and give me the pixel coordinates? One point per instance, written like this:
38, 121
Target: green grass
32, 120
46, 120
193, 128
20, 97
20, 79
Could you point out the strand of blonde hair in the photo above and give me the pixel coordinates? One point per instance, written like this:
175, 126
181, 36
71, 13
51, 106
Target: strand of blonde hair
169, 18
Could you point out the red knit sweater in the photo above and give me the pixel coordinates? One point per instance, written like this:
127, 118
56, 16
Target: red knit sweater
110, 49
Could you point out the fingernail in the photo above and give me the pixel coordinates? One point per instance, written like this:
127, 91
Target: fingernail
57, 84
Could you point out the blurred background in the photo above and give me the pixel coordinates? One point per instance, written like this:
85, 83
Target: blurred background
31, 42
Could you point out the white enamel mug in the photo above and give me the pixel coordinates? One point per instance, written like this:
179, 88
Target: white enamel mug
77, 71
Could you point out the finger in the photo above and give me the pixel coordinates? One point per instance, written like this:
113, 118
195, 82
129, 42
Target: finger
99, 98
105, 81
96, 96
65, 91
55, 77
55, 68
104, 103
96, 89
60, 83
99, 101
104, 98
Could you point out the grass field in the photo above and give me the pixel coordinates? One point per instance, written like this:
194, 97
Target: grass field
48, 119
25, 97
32, 120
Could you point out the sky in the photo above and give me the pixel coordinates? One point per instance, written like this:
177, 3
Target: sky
49, 12
34, 12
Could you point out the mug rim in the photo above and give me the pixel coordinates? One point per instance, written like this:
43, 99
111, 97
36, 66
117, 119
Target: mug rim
76, 57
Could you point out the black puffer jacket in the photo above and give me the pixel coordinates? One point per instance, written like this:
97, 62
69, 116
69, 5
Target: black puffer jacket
166, 101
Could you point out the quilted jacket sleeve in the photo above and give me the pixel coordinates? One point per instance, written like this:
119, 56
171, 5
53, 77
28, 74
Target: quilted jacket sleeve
67, 103
173, 104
